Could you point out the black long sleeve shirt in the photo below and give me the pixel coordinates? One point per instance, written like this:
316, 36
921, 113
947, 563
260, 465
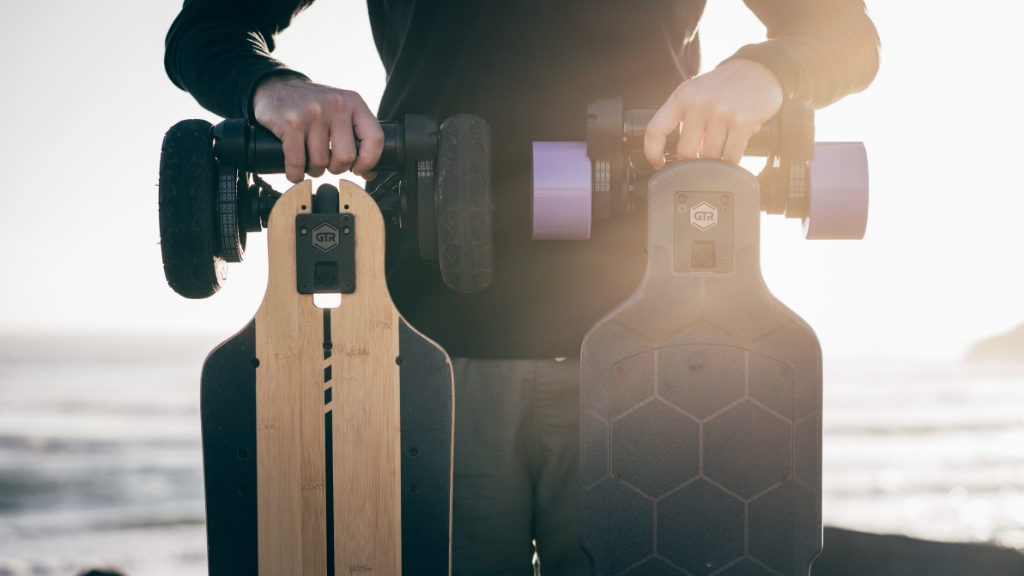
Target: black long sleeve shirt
529, 68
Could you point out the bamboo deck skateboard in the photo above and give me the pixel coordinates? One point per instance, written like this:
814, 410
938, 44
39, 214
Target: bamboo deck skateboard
327, 433
701, 400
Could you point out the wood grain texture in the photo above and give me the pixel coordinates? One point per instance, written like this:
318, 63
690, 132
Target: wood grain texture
367, 441
289, 408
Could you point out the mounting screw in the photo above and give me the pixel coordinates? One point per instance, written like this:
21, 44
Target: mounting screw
620, 372
414, 451
328, 345
243, 489
783, 373
255, 362
400, 361
725, 264
346, 286
414, 487
304, 286
680, 197
726, 210
681, 264
725, 198
242, 453
783, 478
682, 208
618, 475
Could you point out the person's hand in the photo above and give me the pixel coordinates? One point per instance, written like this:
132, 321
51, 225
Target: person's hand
719, 111
317, 122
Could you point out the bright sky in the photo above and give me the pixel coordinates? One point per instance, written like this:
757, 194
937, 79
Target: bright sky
87, 103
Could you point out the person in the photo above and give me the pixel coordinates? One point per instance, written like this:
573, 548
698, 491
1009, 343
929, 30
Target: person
529, 68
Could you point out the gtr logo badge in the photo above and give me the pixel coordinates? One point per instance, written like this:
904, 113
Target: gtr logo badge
325, 237
703, 216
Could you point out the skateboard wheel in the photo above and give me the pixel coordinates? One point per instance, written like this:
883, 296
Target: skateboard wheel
839, 192
187, 233
464, 221
561, 196
230, 235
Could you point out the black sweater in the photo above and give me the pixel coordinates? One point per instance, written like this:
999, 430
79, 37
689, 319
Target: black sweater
529, 68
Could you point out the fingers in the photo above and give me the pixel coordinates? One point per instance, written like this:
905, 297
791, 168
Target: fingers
371, 137
663, 122
293, 143
343, 147
318, 151
690, 139
735, 146
714, 141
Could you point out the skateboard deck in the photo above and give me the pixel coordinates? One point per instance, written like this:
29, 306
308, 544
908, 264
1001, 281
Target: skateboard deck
701, 400
327, 433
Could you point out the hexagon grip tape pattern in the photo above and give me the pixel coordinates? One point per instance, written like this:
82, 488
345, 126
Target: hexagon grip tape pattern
701, 410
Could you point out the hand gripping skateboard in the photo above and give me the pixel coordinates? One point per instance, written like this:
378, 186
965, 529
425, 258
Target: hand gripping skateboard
327, 433
701, 394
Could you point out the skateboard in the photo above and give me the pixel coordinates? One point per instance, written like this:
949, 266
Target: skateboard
327, 433
701, 394
701, 400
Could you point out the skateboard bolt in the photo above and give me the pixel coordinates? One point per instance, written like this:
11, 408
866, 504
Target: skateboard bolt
242, 453
255, 362
414, 451
400, 361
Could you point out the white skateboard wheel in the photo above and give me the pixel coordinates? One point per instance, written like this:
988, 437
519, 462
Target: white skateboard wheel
562, 195
839, 192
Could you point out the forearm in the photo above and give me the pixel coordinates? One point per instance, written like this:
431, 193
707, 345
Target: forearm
820, 50
219, 51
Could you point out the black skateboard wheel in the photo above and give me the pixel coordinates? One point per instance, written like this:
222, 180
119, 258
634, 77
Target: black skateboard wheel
188, 238
464, 222
230, 235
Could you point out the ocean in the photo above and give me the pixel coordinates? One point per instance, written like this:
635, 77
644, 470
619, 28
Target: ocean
101, 462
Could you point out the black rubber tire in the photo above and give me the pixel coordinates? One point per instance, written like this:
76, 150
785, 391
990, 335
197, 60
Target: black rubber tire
186, 195
464, 220
230, 235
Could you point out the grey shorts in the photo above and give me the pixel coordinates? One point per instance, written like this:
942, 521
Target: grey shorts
516, 478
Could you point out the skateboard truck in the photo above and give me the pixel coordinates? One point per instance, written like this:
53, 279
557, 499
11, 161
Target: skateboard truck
433, 180
574, 183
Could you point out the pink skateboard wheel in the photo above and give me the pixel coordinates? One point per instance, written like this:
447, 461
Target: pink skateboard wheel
561, 191
839, 192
